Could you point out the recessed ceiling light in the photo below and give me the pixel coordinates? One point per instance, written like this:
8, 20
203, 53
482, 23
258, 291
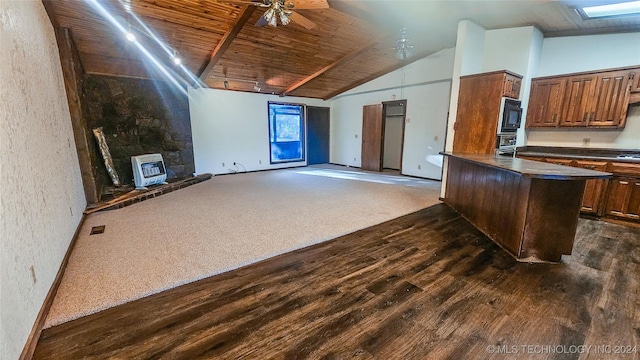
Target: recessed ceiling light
610, 10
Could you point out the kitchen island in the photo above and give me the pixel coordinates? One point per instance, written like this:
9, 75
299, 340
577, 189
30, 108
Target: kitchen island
528, 207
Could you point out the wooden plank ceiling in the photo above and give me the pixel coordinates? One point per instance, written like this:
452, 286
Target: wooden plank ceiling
220, 40
351, 43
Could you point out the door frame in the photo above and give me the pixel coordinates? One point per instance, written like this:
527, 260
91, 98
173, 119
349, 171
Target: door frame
402, 103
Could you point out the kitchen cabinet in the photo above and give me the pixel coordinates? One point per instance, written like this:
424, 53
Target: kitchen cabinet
635, 81
578, 100
545, 102
618, 197
479, 109
511, 85
624, 198
597, 99
611, 99
594, 189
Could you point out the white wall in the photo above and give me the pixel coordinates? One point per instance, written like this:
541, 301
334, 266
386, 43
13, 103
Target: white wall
232, 126
41, 196
570, 54
468, 52
586, 53
425, 84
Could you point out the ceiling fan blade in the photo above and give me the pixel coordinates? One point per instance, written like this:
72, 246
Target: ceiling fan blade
239, 2
306, 23
261, 22
308, 4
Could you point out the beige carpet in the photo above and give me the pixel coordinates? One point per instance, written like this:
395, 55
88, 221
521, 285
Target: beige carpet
222, 224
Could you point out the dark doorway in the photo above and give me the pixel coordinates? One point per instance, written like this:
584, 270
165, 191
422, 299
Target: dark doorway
318, 130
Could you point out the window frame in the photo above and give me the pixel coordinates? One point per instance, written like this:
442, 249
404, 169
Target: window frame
303, 124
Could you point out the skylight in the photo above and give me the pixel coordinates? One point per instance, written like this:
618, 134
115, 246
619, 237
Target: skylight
609, 10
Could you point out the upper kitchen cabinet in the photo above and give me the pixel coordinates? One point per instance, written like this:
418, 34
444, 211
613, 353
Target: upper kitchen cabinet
545, 102
578, 100
611, 99
596, 99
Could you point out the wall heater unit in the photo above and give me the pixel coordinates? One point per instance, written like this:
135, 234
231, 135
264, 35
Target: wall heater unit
148, 170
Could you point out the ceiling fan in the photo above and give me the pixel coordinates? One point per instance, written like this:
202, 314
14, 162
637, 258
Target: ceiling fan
282, 10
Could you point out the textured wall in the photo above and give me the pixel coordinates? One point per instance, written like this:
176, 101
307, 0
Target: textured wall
41, 196
139, 117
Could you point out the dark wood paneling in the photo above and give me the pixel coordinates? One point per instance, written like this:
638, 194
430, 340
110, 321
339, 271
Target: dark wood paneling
528, 216
551, 218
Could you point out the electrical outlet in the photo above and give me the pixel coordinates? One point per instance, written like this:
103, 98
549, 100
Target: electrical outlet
435, 138
354, 159
419, 166
32, 270
356, 136
222, 164
260, 162
586, 142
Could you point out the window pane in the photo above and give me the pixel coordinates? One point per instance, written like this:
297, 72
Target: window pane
286, 132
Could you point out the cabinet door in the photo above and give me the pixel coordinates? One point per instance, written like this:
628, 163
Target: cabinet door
534, 158
611, 99
594, 189
635, 82
624, 198
545, 102
565, 162
511, 86
578, 103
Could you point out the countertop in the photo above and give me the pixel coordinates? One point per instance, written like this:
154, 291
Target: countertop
530, 168
580, 153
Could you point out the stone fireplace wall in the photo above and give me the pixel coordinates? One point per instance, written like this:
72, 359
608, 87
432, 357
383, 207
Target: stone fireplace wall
139, 117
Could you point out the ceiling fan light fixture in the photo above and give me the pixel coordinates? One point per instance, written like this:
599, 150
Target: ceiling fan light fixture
284, 19
404, 46
176, 58
269, 14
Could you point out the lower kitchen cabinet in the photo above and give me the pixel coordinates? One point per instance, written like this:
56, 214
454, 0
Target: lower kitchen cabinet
618, 197
624, 198
595, 189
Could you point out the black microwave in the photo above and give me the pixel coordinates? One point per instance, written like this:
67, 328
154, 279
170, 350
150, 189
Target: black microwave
510, 115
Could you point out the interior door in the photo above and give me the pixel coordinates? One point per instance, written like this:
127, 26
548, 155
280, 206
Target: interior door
318, 130
372, 139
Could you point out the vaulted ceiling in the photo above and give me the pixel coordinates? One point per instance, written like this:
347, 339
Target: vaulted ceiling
336, 46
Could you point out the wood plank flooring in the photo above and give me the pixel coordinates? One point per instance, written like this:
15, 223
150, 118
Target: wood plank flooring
424, 286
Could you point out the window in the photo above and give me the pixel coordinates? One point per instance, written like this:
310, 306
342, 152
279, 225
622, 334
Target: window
286, 132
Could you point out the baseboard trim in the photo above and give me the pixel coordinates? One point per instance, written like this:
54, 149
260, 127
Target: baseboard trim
34, 336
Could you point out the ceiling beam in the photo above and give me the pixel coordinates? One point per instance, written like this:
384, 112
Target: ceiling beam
341, 60
385, 71
226, 40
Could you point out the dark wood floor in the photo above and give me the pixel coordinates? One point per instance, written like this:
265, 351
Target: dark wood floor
424, 286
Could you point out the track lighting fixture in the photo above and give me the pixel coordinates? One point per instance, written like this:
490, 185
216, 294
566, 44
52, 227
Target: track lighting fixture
226, 83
